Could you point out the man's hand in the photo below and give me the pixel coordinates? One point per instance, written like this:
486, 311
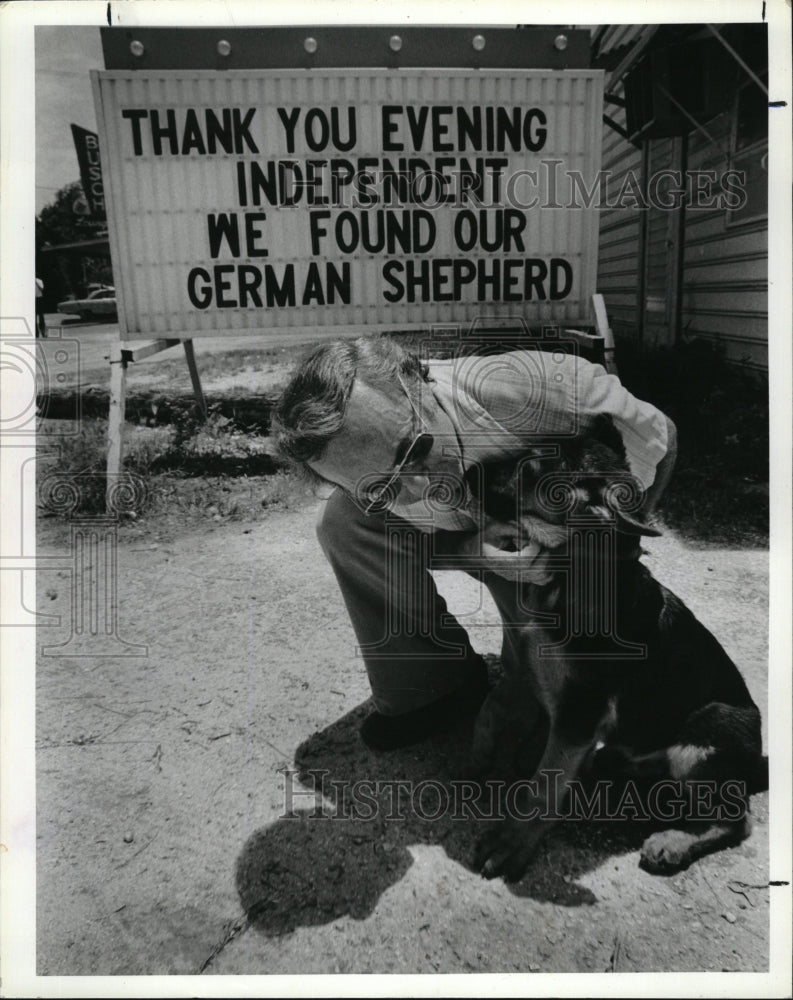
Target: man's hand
663, 472
529, 564
521, 550
509, 553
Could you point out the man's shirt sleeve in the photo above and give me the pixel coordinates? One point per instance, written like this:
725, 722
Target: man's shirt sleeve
642, 426
547, 394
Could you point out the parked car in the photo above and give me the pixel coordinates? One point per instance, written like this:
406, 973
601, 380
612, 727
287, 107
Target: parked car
101, 302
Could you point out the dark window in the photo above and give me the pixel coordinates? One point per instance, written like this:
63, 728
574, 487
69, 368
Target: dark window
751, 120
749, 152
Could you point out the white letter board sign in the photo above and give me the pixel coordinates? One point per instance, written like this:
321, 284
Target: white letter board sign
250, 200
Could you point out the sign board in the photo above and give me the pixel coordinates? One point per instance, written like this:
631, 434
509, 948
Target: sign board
250, 200
86, 145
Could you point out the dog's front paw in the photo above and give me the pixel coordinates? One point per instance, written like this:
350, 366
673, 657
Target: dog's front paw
505, 851
667, 851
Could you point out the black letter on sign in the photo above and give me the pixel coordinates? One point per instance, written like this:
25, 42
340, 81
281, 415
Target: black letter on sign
440, 129
135, 115
319, 116
250, 280
537, 141
200, 297
222, 286
389, 127
536, 273
347, 144
252, 234
289, 121
560, 264
241, 132
160, 132
317, 231
390, 271
339, 283
192, 137
223, 226
283, 294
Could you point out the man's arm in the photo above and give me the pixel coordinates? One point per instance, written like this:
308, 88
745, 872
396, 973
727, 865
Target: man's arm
530, 395
649, 436
663, 471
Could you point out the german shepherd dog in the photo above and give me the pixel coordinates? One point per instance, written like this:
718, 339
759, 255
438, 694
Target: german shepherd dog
607, 672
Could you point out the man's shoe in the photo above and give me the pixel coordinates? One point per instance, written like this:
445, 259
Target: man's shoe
390, 732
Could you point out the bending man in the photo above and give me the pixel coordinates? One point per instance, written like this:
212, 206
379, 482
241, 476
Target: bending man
396, 437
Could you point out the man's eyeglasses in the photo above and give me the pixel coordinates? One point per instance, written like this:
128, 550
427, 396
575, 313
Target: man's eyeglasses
382, 494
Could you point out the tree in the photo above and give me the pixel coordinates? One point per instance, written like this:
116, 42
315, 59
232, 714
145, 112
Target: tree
58, 222
67, 220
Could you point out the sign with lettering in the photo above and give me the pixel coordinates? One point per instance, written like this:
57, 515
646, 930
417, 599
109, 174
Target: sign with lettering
86, 145
260, 199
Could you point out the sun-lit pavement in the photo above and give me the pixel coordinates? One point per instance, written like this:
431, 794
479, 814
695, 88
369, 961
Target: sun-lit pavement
162, 815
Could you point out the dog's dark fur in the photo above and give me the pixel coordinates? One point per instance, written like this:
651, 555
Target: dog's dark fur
680, 710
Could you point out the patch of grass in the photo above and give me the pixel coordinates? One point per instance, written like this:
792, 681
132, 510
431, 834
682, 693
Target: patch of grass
221, 499
193, 467
71, 468
214, 446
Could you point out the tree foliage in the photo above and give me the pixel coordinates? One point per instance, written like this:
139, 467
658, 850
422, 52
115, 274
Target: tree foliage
66, 220
59, 223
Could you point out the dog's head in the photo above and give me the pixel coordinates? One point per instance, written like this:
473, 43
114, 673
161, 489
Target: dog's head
586, 479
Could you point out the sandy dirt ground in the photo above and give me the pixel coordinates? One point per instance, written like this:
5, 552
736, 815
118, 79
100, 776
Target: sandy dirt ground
163, 844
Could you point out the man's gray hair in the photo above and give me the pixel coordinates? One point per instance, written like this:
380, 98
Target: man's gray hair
313, 405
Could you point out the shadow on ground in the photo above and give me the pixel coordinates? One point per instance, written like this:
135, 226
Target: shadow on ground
341, 850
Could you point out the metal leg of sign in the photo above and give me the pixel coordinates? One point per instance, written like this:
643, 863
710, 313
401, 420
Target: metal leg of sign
195, 378
604, 330
118, 388
117, 404
115, 419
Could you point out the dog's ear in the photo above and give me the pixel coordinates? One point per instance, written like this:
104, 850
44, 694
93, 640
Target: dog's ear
608, 498
632, 526
623, 521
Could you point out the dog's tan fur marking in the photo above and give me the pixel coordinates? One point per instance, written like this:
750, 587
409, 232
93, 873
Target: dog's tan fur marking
683, 758
550, 536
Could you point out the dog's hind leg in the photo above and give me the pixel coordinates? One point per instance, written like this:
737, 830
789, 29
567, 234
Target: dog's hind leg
726, 736
718, 761
714, 814
721, 743
669, 851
